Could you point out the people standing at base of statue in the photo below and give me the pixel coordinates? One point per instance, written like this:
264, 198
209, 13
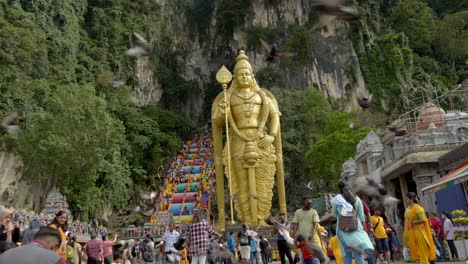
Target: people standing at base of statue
9, 231
40, 250
305, 222
449, 235
169, 238
417, 235
381, 238
60, 222
284, 249
107, 248
254, 250
436, 225
93, 249
354, 242
244, 244
231, 243
264, 249
198, 233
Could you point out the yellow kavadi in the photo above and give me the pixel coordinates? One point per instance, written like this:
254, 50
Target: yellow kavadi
252, 156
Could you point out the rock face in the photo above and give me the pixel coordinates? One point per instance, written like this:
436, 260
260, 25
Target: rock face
12, 183
148, 90
334, 68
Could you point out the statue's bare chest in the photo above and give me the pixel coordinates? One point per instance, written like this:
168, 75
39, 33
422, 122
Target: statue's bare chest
246, 108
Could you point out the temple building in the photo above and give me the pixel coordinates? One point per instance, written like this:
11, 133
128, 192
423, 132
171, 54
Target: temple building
55, 202
412, 156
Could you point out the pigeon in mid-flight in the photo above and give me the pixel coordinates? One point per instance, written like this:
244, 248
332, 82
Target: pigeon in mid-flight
365, 101
8, 123
142, 47
334, 8
272, 52
372, 186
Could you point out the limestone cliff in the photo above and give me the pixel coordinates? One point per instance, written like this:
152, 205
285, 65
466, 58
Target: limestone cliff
12, 184
333, 67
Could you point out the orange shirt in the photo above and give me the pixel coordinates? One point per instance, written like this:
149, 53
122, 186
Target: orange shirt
61, 251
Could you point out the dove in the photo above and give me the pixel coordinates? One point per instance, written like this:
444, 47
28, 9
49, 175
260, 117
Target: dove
309, 186
272, 52
317, 252
142, 47
333, 8
117, 84
371, 185
8, 123
397, 130
365, 102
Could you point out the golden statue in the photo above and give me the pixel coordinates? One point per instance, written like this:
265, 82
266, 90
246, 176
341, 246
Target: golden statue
253, 152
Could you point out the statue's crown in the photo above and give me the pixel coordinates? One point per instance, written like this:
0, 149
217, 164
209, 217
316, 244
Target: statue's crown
242, 62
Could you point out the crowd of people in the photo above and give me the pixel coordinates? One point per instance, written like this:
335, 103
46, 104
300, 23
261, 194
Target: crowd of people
25, 218
51, 243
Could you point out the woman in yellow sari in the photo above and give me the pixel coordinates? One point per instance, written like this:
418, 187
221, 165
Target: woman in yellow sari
417, 236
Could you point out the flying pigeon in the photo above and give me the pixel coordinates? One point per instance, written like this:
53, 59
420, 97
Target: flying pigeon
142, 47
272, 52
371, 185
8, 123
365, 102
397, 130
333, 8
317, 252
309, 186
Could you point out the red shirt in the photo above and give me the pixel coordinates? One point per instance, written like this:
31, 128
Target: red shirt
366, 212
436, 224
107, 247
305, 252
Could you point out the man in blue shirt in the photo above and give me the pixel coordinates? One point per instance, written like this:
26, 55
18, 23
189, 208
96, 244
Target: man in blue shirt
231, 242
283, 247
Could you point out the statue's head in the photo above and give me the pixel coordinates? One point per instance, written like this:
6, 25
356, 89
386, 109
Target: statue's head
243, 71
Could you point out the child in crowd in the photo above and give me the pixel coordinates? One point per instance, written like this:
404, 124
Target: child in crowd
306, 254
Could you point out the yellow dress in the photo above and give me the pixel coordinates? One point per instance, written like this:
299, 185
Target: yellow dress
335, 247
318, 238
61, 250
184, 259
418, 238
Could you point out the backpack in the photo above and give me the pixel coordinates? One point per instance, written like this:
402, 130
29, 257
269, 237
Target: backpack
148, 255
244, 239
348, 220
70, 252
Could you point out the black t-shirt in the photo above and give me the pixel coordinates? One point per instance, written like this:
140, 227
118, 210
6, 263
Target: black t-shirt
264, 245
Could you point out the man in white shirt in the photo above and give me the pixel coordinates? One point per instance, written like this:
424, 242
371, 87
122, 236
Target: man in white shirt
169, 238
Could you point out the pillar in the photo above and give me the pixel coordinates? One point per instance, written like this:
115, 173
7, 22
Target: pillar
423, 175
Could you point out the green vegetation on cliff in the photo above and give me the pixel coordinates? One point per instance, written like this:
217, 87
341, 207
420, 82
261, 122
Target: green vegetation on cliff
57, 59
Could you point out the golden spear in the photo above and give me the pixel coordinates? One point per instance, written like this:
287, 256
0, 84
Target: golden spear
224, 77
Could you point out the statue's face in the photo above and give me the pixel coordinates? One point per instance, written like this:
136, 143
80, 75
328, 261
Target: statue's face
244, 78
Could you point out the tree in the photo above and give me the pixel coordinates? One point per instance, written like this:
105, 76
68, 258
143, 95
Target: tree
337, 144
417, 21
452, 37
75, 144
